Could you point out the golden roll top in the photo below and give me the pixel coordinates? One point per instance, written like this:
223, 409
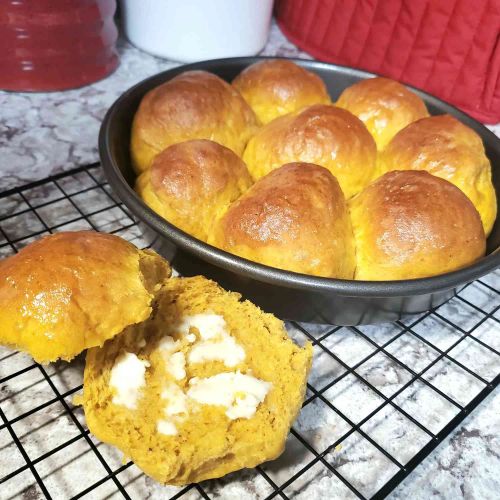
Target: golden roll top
447, 148
295, 218
192, 183
321, 134
410, 224
193, 105
70, 291
277, 87
383, 105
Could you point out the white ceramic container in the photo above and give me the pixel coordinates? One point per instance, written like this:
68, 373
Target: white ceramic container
194, 30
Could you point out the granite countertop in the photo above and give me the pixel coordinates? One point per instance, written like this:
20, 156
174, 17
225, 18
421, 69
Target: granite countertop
44, 134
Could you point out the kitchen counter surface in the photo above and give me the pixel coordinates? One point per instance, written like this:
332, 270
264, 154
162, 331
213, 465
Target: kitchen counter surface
44, 134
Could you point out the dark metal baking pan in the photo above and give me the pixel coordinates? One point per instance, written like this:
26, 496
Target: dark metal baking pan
289, 295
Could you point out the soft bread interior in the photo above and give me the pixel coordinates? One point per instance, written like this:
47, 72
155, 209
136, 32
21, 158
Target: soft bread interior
208, 444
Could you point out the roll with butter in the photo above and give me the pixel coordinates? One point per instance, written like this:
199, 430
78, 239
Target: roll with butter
208, 385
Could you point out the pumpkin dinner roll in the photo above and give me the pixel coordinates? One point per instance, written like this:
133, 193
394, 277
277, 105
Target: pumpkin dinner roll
193, 182
70, 291
294, 218
208, 385
410, 224
278, 86
447, 148
383, 105
193, 105
321, 134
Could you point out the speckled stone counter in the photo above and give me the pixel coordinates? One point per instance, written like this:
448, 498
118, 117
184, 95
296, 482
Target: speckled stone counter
44, 134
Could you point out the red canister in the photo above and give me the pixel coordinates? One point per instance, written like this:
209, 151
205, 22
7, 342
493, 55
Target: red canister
56, 44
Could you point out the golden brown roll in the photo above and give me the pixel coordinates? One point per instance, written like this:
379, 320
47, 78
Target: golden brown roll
70, 291
191, 183
447, 148
278, 86
411, 224
383, 105
296, 219
193, 105
321, 134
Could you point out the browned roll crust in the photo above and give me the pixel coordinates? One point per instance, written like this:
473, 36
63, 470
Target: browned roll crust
192, 183
70, 291
278, 86
321, 134
193, 105
410, 224
445, 147
295, 218
383, 105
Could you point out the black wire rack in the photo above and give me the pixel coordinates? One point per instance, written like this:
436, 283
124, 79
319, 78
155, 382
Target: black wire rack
379, 398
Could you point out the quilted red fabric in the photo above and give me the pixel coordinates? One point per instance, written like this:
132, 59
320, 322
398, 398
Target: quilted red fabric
450, 48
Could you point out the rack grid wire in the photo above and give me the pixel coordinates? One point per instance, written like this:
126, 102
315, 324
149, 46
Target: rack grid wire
382, 396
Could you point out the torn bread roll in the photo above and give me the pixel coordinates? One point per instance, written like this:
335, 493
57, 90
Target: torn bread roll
208, 385
70, 291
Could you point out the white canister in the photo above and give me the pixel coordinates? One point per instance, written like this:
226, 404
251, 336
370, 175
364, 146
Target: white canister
193, 30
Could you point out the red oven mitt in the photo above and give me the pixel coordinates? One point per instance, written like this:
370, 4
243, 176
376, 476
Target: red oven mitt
450, 48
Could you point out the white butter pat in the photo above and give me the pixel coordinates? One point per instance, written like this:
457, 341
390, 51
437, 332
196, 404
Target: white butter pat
240, 394
127, 378
176, 365
176, 400
175, 410
166, 427
215, 344
168, 344
226, 349
175, 362
209, 325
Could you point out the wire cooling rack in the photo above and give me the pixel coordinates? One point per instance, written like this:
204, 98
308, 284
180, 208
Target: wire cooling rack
379, 398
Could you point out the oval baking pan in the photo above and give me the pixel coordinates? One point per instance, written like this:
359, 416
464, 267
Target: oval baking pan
289, 295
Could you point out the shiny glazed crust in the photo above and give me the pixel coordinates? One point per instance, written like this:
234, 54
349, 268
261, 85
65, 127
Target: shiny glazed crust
320, 134
445, 147
295, 218
373, 113
192, 183
276, 87
70, 291
383, 105
193, 105
410, 224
